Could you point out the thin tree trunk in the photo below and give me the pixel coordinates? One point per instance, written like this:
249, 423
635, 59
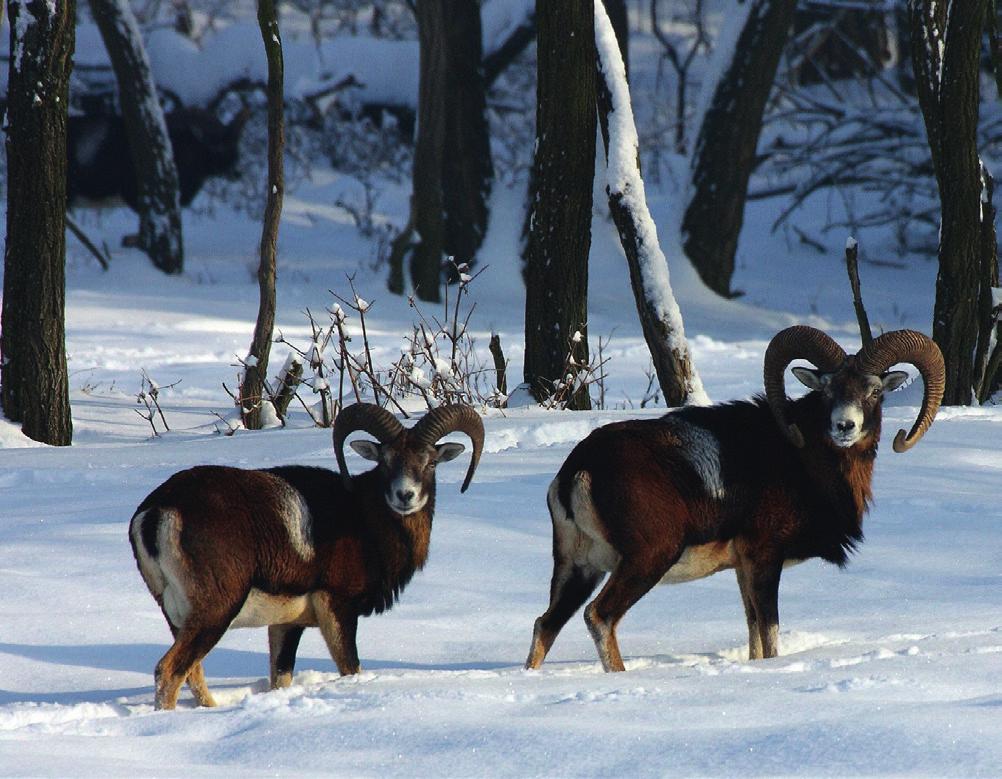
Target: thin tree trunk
724, 153
467, 169
149, 143
452, 163
559, 236
660, 317
986, 375
33, 374
256, 371
427, 201
946, 43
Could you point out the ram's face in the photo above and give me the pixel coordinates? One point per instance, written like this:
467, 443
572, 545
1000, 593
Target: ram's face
852, 400
407, 471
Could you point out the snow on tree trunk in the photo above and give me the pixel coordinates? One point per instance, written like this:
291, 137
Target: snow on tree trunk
735, 90
252, 400
946, 44
34, 386
659, 313
149, 143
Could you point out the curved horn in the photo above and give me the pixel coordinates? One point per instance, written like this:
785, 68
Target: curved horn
797, 342
369, 417
922, 352
453, 418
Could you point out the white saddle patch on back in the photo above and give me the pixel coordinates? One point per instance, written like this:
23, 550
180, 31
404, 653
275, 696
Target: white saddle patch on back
701, 449
298, 521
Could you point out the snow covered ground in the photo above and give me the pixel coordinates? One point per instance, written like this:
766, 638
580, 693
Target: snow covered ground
889, 667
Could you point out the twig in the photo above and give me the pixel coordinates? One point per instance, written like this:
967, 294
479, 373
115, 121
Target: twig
88, 244
852, 266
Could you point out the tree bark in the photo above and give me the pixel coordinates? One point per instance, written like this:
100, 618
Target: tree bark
256, 370
149, 143
946, 43
452, 163
659, 314
467, 169
559, 234
35, 385
724, 153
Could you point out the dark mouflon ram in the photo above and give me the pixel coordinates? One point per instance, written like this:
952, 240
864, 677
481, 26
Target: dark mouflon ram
293, 547
751, 485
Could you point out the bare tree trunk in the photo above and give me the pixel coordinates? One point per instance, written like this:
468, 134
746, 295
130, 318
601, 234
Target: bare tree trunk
559, 236
452, 163
660, 317
467, 168
149, 143
35, 386
256, 370
946, 44
987, 373
724, 153
427, 201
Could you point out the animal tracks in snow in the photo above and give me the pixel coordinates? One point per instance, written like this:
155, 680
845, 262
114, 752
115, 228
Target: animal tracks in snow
816, 660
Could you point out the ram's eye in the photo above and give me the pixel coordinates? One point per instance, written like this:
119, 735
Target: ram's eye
876, 393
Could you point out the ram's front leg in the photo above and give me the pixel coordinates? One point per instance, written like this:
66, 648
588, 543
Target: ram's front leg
751, 616
338, 625
283, 641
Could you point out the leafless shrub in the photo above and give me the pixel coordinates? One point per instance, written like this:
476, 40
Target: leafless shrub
149, 397
577, 376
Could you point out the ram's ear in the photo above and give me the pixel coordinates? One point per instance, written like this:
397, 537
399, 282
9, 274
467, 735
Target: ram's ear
367, 449
448, 452
811, 377
893, 379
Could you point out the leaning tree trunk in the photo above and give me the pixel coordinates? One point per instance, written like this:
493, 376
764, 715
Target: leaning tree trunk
33, 375
724, 153
559, 235
256, 368
660, 317
946, 44
149, 143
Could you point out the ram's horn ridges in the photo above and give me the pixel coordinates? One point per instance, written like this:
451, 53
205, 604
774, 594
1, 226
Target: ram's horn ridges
374, 420
797, 342
457, 417
912, 347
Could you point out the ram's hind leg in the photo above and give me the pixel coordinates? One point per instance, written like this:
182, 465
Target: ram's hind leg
629, 582
191, 644
196, 676
570, 585
283, 641
570, 588
198, 687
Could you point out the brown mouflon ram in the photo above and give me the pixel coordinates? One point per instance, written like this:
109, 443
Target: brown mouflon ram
293, 547
752, 485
